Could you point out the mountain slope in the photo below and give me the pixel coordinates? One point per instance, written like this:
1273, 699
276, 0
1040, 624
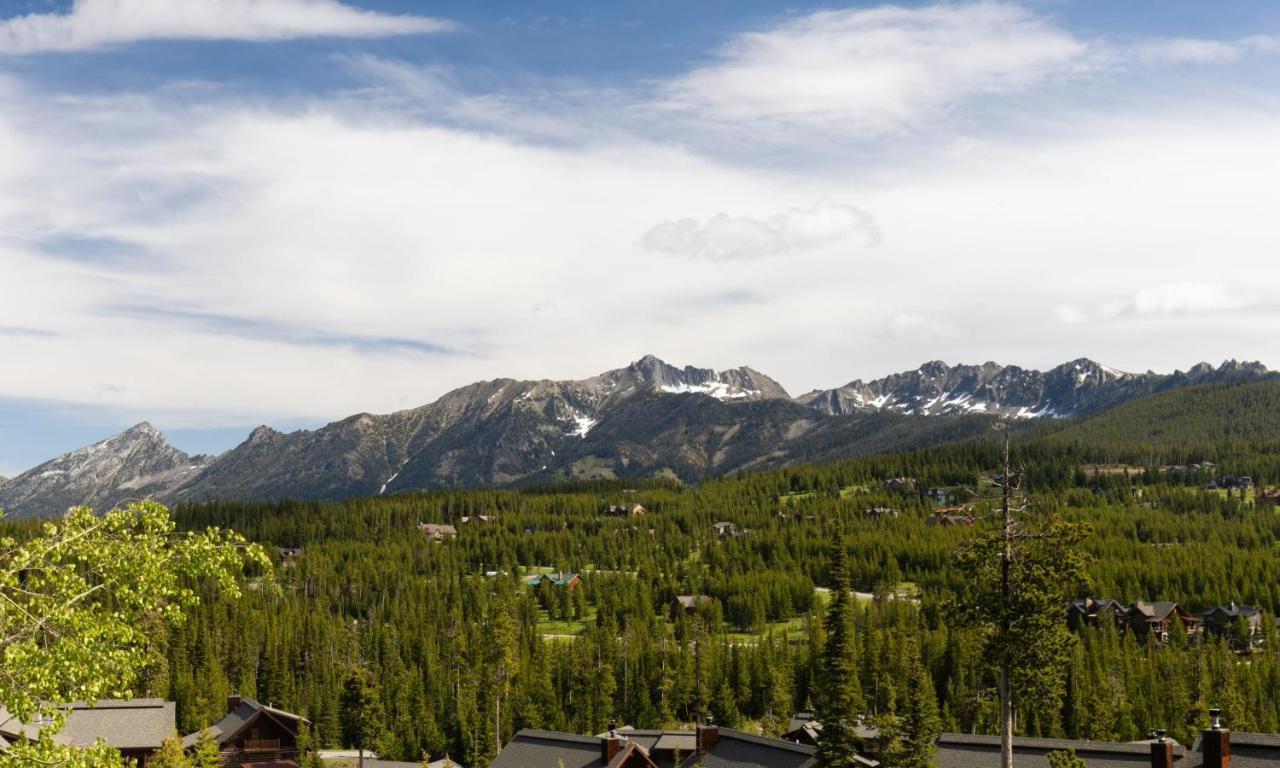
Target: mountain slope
1185, 419
489, 433
137, 463
1076, 388
648, 418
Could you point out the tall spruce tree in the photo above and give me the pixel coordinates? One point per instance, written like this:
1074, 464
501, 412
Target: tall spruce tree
838, 692
1018, 575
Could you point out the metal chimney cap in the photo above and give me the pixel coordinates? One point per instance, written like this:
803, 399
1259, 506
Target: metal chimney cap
1215, 719
1161, 735
709, 721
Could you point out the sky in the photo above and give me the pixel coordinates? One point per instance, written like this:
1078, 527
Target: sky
222, 213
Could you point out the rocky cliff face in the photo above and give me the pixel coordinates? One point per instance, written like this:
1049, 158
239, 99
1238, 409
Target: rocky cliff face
135, 464
647, 418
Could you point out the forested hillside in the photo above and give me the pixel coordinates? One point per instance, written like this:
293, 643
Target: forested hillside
464, 652
1185, 425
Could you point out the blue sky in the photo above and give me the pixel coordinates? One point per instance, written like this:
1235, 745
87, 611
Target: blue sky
221, 213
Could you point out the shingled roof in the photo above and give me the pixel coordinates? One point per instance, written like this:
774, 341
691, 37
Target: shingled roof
532, 748
959, 750
1248, 750
735, 749
136, 724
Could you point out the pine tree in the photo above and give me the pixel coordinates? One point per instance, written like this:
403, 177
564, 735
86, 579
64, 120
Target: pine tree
206, 752
839, 693
170, 754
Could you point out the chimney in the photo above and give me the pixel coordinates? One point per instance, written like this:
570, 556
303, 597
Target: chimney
1161, 751
706, 736
1215, 742
233, 703
610, 744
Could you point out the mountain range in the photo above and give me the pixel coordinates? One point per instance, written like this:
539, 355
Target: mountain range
649, 418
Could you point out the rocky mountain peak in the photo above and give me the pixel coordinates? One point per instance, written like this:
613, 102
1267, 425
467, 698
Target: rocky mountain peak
136, 463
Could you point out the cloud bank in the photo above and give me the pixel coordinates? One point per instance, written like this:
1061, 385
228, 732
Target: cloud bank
98, 23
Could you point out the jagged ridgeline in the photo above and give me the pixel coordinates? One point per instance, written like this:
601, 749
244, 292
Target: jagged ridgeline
362, 583
649, 419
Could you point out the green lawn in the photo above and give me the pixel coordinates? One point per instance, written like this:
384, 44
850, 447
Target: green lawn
548, 626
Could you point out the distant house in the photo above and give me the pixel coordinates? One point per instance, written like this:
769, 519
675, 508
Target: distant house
289, 556
725, 529
1094, 611
438, 531
1157, 619
879, 513
900, 485
557, 579
476, 519
950, 516
939, 496
252, 733
805, 728
1237, 482
1268, 497
1223, 620
135, 727
691, 603
616, 510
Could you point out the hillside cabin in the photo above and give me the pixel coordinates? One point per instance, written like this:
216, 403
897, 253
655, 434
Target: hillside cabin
900, 485
438, 531
252, 733
622, 510
1231, 482
950, 516
289, 556
1268, 497
724, 529
1157, 619
691, 603
558, 579
1095, 611
939, 496
879, 513
1241, 625
135, 727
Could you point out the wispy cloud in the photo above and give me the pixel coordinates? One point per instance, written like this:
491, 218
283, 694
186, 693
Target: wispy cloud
97, 23
266, 330
734, 238
1190, 50
879, 70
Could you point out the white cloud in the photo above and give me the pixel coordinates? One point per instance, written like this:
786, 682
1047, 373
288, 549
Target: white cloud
733, 238
879, 70
97, 23
241, 261
1165, 300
